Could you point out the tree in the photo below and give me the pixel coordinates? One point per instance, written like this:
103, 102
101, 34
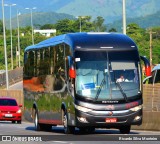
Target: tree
64, 26
1, 27
84, 22
48, 26
135, 32
99, 24
112, 30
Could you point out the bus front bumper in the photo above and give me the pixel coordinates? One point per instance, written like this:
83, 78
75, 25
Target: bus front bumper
103, 121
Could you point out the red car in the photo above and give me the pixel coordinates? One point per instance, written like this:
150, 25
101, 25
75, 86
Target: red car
10, 110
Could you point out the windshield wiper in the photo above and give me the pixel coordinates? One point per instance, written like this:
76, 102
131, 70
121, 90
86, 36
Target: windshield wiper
100, 88
122, 91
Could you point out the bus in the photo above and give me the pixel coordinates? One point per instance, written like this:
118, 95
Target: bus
72, 80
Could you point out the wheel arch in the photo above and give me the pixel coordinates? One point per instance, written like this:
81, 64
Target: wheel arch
64, 107
34, 109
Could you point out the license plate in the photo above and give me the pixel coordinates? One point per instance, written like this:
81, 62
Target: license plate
8, 115
111, 120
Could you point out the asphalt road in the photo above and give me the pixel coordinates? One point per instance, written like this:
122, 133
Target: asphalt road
17, 86
26, 132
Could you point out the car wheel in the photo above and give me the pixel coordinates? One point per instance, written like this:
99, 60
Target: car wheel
67, 129
19, 122
125, 129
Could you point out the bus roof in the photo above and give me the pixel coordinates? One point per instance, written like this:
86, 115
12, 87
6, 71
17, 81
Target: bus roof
88, 40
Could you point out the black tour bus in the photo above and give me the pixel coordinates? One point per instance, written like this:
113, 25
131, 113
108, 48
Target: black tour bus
85, 81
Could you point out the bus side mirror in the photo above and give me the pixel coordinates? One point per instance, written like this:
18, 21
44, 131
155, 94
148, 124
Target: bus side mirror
147, 65
72, 71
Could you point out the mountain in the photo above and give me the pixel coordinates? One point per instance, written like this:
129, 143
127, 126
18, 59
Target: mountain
110, 10
152, 20
39, 18
52, 17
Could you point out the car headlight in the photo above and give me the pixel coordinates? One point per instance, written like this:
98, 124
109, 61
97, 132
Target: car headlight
19, 111
83, 109
136, 108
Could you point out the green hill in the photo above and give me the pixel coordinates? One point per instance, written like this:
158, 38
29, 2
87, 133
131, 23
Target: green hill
110, 10
144, 22
39, 18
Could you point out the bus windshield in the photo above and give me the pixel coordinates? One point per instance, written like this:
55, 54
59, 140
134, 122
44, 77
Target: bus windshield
106, 75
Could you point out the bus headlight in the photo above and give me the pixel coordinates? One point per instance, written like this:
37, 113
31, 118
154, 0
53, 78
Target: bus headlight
136, 108
83, 109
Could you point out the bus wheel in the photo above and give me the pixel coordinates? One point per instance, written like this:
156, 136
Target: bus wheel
67, 129
37, 125
125, 129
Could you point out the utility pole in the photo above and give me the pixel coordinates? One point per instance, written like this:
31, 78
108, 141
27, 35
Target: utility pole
10, 6
124, 16
31, 11
150, 45
80, 22
5, 48
19, 49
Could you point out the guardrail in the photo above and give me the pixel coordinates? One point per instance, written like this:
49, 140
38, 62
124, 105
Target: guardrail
17, 94
151, 97
14, 76
151, 108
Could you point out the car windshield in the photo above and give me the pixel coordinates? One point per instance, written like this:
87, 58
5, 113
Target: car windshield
8, 102
103, 76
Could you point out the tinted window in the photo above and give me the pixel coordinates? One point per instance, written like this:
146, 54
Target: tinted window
8, 102
157, 79
97, 74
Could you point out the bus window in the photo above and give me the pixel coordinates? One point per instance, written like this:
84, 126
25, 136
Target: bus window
38, 62
31, 63
41, 66
46, 62
157, 77
59, 73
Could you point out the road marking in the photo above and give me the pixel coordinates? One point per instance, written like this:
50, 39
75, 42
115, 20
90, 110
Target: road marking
60, 141
145, 131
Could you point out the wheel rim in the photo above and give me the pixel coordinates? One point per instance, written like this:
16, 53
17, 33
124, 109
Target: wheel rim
65, 122
36, 121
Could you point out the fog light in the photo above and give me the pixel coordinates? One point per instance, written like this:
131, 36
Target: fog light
82, 119
137, 118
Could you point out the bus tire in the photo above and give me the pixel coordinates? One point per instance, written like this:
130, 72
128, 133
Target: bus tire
67, 129
125, 129
36, 123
